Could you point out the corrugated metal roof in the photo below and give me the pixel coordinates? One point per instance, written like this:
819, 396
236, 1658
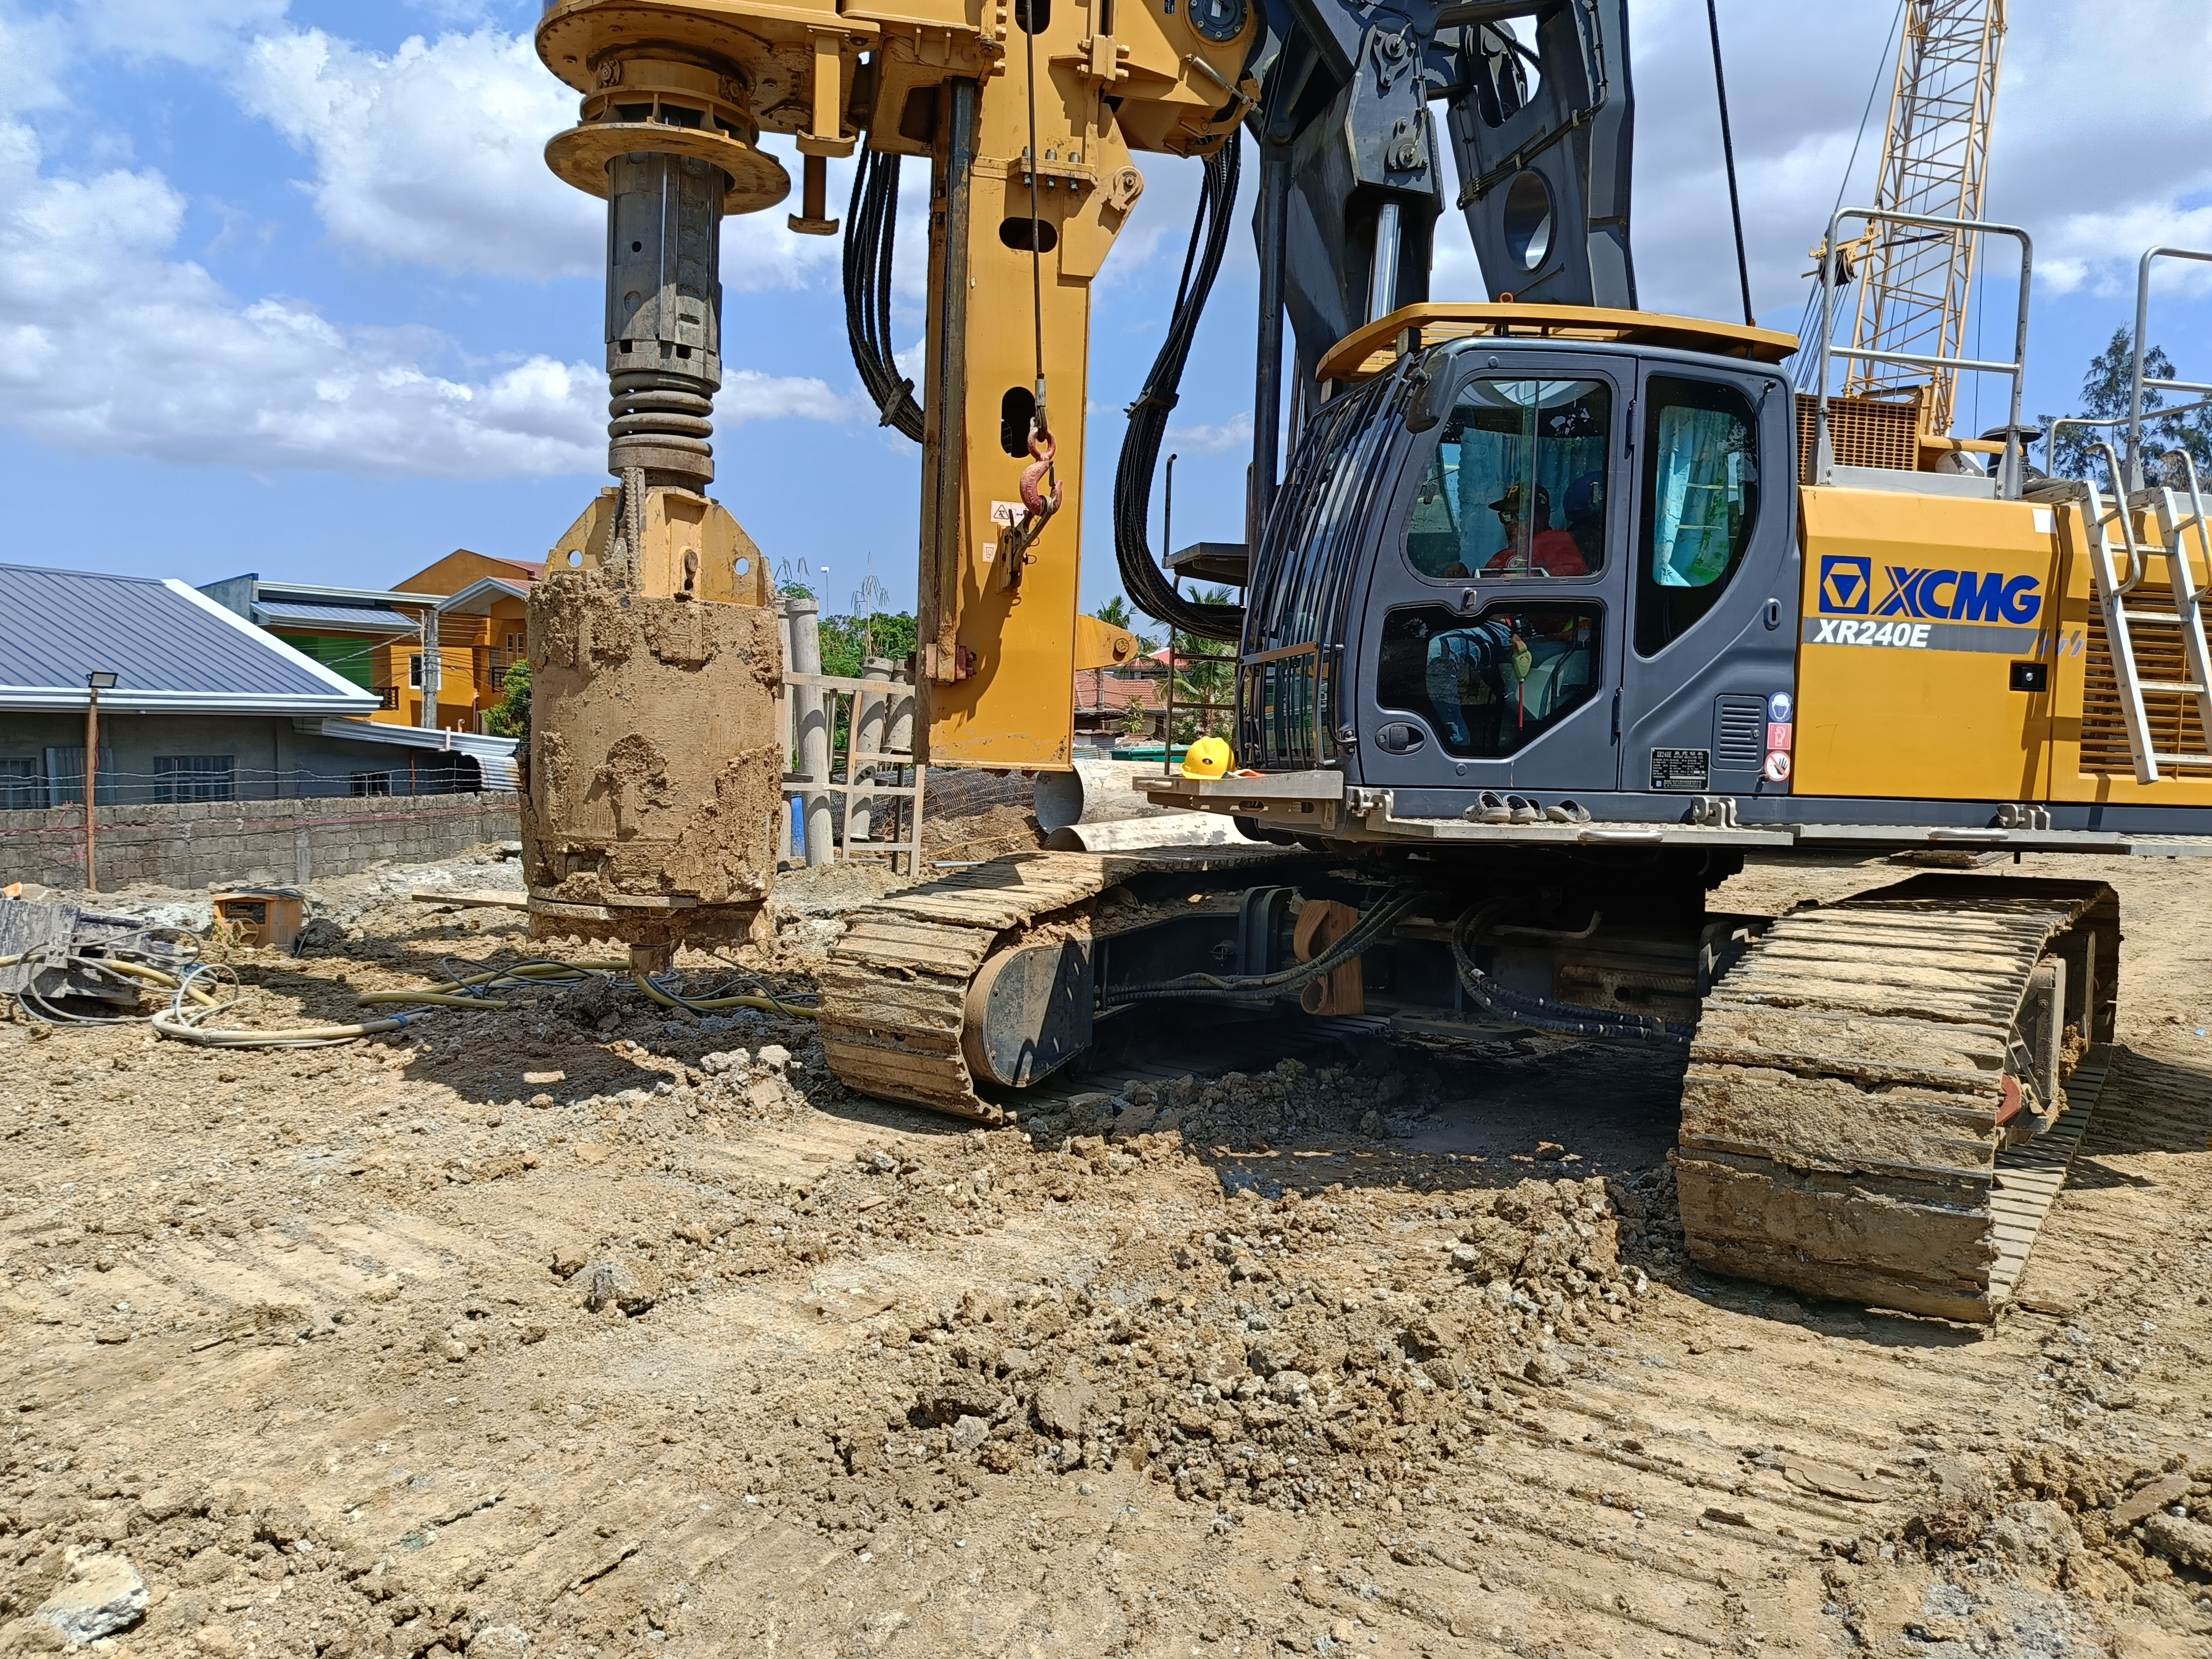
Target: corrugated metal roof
169, 648
494, 757
348, 617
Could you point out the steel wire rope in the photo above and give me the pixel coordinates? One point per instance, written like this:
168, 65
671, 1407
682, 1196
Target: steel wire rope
1142, 579
1727, 155
1811, 318
1039, 428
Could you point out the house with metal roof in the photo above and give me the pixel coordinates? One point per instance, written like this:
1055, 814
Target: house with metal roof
196, 703
435, 649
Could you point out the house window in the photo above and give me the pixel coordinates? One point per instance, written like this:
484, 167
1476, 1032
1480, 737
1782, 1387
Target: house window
22, 784
518, 645
389, 694
65, 776
178, 778
415, 670
372, 783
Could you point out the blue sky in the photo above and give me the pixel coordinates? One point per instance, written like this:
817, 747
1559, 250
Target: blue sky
284, 287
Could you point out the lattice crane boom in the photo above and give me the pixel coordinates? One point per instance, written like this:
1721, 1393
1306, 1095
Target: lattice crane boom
1934, 162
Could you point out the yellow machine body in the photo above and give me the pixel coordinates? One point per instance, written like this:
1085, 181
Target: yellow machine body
950, 80
1952, 649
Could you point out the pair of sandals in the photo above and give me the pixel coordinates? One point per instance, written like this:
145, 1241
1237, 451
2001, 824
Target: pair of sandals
1489, 808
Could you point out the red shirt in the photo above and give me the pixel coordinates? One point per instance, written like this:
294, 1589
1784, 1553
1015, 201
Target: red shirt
1554, 553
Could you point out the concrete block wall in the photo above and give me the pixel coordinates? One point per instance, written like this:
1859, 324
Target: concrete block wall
281, 843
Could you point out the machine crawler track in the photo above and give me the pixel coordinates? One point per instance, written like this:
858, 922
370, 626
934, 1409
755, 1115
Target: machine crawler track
901, 988
1856, 1079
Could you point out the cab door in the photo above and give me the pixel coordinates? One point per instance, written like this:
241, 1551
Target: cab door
1708, 667
1490, 642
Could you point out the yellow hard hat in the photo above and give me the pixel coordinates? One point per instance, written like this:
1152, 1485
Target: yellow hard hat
1209, 758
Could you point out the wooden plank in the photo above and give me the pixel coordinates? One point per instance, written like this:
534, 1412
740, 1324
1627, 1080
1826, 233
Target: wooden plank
470, 898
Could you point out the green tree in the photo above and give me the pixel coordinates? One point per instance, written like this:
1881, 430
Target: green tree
2106, 389
847, 642
1205, 672
510, 716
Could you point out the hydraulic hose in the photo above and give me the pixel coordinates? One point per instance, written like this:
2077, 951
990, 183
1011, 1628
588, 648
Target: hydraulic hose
1541, 1013
762, 1000
871, 230
1146, 583
1203, 988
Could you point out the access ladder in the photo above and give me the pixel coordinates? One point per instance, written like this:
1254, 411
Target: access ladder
2180, 518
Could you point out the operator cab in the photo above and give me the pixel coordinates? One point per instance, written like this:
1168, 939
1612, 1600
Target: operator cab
1523, 546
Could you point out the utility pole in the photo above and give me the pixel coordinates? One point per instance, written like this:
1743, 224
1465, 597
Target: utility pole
94, 683
434, 676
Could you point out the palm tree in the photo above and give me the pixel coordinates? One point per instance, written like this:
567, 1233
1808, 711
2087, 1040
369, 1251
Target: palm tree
1204, 674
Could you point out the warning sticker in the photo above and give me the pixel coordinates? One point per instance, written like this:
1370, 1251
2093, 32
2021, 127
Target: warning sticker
1689, 770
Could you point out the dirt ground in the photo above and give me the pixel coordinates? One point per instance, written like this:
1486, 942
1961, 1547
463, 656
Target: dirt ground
579, 1330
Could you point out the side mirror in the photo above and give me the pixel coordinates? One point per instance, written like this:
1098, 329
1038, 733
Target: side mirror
1432, 390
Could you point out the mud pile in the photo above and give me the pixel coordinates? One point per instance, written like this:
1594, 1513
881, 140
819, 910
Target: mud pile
1232, 1365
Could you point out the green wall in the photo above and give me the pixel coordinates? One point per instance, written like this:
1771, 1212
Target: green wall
342, 654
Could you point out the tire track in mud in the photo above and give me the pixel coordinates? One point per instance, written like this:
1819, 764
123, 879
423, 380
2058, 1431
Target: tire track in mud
712, 1476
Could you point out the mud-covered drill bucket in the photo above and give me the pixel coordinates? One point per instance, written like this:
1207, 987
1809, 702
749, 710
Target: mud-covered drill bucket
651, 812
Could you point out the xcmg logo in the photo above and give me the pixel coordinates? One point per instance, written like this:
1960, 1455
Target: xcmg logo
1847, 589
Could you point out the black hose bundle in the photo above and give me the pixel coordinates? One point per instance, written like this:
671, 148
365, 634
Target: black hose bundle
1541, 1013
871, 231
1370, 928
1146, 583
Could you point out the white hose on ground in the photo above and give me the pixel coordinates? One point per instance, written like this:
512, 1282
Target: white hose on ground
1132, 834
170, 1024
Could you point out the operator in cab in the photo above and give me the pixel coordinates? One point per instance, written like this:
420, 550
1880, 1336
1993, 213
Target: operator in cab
1531, 543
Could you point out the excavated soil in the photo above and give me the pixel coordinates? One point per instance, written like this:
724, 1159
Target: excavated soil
584, 1328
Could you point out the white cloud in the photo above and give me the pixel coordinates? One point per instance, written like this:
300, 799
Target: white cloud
1235, 433
749, 395
434, 154
2095, 180
32, 50
202, 33
173, 366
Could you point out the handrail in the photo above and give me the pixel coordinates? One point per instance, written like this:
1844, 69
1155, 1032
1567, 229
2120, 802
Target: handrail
2136, 383
2123, 513
2009, 467
2180, 555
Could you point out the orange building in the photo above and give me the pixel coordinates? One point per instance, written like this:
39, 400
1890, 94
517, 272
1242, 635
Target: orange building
473, 605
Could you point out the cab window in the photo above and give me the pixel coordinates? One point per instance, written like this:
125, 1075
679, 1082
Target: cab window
1700, 502
1516, 486
1490, 685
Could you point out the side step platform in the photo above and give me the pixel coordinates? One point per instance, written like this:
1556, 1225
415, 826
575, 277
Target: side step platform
1861, 1111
